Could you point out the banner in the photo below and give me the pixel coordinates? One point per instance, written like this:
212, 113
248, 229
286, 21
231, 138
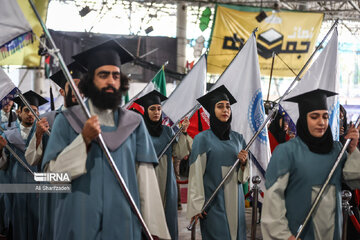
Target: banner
242, 79
290, 34
323, 74
25, 47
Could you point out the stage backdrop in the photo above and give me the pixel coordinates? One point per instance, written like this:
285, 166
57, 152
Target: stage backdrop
290, 34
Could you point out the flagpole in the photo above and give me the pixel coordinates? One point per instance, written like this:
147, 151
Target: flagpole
317, 199
15, 155
88, 115
193, 110
273, 111
23, 99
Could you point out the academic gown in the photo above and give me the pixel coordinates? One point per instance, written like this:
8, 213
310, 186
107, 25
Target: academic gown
97, 207
166, 175
23, 207
294, 176
210, 160
47, 201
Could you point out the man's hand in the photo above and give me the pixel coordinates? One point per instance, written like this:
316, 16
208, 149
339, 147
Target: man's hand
41, 127
91, 130
185, 124
3, 143
353, 134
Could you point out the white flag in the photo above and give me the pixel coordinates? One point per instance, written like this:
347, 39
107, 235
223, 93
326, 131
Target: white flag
13, 22
242, 79
148, 88
183, 98
7, 89
323, 74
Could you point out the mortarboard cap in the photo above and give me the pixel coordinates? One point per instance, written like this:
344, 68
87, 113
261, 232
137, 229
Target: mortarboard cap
311, 101
209, 100
75, 69
33, 98
107, 53
151, 98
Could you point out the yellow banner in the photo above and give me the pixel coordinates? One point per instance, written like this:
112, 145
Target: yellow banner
28, 55
291, 35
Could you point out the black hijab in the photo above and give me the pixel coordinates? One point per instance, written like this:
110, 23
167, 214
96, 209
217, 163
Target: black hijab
155, 128
320, 145
276, 130
152, 98
208, 101
308, 102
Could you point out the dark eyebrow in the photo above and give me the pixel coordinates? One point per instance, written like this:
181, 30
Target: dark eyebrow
107, 72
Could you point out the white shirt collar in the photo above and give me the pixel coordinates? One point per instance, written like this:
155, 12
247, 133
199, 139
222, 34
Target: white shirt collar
106, 117
25, 131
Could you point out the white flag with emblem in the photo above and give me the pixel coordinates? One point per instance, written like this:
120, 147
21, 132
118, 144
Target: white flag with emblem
323, 74
7, 89
242, 79
183, 98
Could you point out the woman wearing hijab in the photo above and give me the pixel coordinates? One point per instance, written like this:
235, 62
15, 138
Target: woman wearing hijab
298, 169
161, 136
278, 131
214, 152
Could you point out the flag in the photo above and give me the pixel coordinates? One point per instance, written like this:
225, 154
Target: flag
15, 30
183, 98
19, 25
323, 74
7, 89
242, 79
159, 81
198, 122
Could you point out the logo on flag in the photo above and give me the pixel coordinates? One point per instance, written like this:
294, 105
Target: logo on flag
256, 113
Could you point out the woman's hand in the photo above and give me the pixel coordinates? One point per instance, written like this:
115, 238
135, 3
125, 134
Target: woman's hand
196, 217
243, 158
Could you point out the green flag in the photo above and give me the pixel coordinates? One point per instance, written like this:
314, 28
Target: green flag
160, 82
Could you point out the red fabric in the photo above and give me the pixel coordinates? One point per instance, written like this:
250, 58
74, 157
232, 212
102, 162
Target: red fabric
182, 182
137, 107
193, 128
274, 142
355, 222
357, 197
183, 195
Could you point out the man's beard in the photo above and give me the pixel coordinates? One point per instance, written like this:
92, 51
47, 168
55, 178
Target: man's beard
104, 100
68, 99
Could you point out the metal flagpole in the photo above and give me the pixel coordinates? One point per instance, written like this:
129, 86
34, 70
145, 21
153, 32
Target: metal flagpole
193, 111
87, 113
272, 112
317, 199
23, 99
16, 156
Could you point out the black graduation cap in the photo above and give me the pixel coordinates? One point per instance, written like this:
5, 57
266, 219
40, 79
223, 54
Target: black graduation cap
151, 98
209, 100
107, 53
311, 101
33, 98
76, 70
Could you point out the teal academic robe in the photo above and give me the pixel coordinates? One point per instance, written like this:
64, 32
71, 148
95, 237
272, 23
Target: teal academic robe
219, 154
47, 201
23, 207
97, 207
171, 188
306, 170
